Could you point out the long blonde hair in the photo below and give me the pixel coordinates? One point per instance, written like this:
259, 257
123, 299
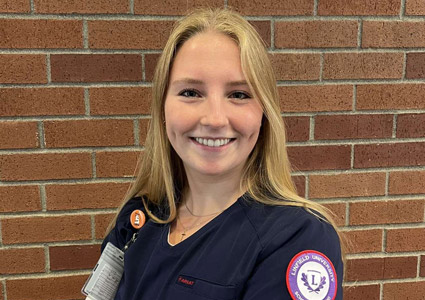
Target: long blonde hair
267, 173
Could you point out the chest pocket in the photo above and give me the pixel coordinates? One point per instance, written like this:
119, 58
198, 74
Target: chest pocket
205, 289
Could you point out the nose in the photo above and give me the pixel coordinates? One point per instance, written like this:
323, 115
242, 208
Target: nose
215, 112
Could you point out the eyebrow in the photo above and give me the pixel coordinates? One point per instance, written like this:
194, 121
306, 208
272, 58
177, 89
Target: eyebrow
200, 82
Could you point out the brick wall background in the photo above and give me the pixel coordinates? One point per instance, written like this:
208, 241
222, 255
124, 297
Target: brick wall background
75, 79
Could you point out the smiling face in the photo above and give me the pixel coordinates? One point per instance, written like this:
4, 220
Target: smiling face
212, 119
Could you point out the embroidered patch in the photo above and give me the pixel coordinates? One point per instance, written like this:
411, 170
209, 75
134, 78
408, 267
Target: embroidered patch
311, 276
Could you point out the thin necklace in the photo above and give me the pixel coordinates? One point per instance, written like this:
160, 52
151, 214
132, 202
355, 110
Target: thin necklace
185, 229
199, 216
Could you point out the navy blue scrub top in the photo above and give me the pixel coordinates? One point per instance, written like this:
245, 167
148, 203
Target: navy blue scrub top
243, 253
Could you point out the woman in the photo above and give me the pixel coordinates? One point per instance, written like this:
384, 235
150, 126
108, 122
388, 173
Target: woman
223, 220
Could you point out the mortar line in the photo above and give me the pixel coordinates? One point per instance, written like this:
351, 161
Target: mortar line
315, 8
87, 101
3, 284
41, 138
312, 127
48, 68
32, 8
43, 197
131, 8
85, 34
402, 9
47, 258
403, 71
136, 132
359, 34
272, 34
143, 67
394, 133
354, 98
93, 164
93, 227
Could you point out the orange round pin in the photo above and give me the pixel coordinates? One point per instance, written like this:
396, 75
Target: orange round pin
137, 219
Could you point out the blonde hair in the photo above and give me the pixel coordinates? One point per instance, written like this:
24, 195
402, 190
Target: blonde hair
267, 173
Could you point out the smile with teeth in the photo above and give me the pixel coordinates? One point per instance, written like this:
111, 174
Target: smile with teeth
213, 142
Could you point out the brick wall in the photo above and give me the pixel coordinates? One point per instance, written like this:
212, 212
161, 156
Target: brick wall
75, 87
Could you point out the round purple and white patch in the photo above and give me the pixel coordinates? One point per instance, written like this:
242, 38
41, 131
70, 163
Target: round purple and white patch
311, 276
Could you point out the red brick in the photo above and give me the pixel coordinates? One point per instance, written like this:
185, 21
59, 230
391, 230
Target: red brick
320, 157
46, 229
23, 68
390, 96
46, 288
120, 100
422, 266
87, 195
143, 130
81, 7
389, 155
297, 128
299, 182
296, 66
73, 257
41, 101
415, 65
19, 198
116, 164
14, 6
347, 185
362, 241
411, 126
387, 212
86, 133
404, 290
315, 98
45, 166
96, 67
316, 34
408, 182
415, 7
274, 8
127, 34
338, 210
361, 292
41, 34
393, 34
102, 222
359, 8
264, 30
381, 268
172, 7
19, 260
353, 127
18, 135
151, 59
363, 65
403, 240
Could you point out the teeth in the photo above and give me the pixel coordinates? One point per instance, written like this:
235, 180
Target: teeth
212, 143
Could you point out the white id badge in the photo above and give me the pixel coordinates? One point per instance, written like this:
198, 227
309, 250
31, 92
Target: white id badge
106, 275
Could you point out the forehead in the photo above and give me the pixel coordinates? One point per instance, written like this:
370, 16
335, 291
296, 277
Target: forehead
208, 54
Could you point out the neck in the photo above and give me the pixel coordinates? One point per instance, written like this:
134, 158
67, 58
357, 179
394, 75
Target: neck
209, 194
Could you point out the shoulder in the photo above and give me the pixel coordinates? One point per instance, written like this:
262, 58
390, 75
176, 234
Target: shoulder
123, 230
292, 226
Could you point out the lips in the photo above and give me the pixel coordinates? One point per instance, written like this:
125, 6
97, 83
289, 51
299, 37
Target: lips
213, 142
